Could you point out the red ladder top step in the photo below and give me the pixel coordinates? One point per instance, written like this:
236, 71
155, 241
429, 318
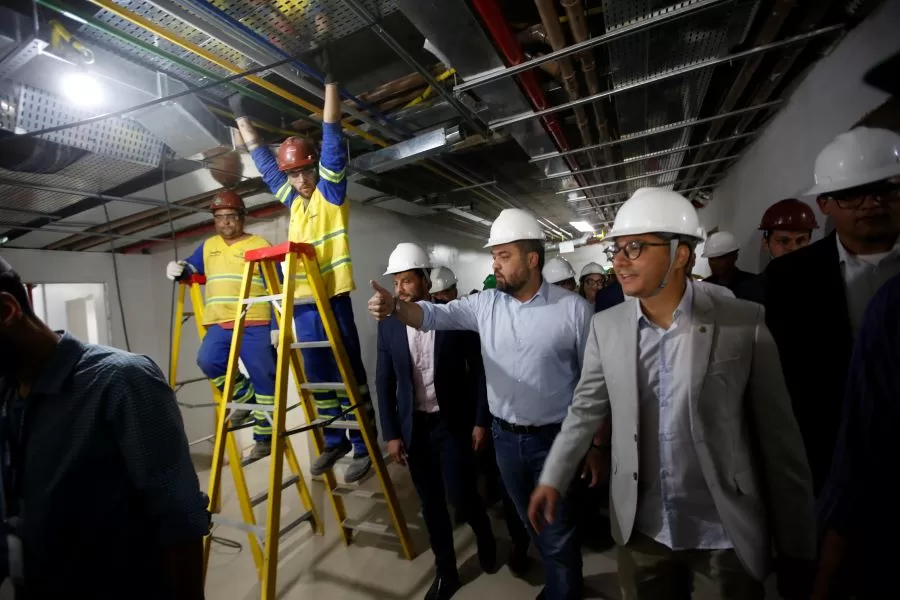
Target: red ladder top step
279, 252
199, 279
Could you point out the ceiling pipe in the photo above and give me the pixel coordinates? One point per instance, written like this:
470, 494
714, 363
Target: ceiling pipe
579, 28
664, 15
550, 20
505, 122
653, 174
657, 130
502, 35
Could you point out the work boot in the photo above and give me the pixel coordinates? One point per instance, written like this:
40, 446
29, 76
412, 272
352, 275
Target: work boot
239, 417
330, 456
359, 468
261, 449
518, 560
487, 552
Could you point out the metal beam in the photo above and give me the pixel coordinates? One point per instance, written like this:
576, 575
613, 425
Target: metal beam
361, 11
663, 16
651, 174
257, 53
505, 122
648, 156
107, 197
592, 209
74, 232
656, 130
405, 152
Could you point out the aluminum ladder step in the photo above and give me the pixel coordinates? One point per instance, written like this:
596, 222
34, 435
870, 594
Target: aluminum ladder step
274, 297
323, 386
261, 497
355, 492
301, 345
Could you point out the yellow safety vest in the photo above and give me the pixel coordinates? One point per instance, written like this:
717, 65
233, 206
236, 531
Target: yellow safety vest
224, 268
325, 226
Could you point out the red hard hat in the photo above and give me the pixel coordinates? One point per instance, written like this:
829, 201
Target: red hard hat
296, 153
227, 199
789, 214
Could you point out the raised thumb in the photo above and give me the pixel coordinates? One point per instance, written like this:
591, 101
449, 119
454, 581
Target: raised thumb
377, 287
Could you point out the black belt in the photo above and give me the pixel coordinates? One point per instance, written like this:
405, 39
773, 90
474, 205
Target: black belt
513, 428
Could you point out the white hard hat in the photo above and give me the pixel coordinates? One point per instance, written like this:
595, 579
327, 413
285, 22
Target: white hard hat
558, 269
514, 224
654, 210
406, 257
442, 279
857, 157
719, 243
592, 268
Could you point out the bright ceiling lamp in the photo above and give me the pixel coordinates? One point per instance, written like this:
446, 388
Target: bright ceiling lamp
82, 89
582, 226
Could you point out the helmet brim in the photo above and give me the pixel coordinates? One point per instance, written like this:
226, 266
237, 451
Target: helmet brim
885, 172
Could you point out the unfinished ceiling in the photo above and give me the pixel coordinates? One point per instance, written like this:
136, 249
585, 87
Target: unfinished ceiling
454, 110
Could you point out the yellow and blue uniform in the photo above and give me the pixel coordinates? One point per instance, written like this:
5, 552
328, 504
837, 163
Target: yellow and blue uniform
323, 222
223, 266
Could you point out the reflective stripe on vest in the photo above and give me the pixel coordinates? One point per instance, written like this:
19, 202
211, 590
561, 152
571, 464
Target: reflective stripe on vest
224, 267
325, 226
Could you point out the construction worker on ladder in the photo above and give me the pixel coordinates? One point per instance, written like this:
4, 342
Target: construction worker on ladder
314, 188
221, 260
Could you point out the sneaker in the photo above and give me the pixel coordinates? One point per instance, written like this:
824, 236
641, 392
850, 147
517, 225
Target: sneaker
359, 468
261, 449
330, 456
239, 417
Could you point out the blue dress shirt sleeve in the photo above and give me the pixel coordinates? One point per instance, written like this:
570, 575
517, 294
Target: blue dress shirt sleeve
459, 314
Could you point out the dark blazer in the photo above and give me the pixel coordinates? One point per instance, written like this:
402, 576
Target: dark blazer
459, 381
807, 313
740, 278
609, 297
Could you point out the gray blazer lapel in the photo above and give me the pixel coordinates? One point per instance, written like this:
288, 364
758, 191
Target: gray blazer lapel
703, 331
622, 368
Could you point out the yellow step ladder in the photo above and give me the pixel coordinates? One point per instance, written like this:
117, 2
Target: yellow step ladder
300, 258
236, 462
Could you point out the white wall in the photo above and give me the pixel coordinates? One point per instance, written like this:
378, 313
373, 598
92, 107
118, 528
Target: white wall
54, 301
137, 288
374, 233
831, 99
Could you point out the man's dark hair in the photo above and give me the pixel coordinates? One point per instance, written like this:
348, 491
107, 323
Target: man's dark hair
11, 283
527, 246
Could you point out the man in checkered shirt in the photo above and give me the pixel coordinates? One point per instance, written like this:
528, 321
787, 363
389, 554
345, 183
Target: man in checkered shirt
100, 499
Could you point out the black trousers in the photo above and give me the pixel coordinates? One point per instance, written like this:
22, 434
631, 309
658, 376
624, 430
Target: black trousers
442, 466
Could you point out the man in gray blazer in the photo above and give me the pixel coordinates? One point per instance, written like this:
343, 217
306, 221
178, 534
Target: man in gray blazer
708, 467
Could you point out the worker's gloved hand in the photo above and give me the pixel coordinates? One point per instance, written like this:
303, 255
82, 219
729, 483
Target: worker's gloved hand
323, 61
274, 334
175, 270
238, 106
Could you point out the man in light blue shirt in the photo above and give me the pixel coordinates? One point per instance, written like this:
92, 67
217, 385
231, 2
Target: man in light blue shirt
532, 341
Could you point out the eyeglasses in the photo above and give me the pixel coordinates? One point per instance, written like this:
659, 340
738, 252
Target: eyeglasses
593, 282
632, 249
227, 217
304, 172
880, 192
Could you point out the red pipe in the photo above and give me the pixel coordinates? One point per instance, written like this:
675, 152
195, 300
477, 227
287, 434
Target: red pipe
204, 228
493, 19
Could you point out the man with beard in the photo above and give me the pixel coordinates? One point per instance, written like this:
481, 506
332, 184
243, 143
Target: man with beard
99, 492
221, 260
532, 340
815, 296
434, 417
314, 188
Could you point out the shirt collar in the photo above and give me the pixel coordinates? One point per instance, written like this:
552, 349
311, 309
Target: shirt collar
845, 257
63, 360
685, 308
542, 296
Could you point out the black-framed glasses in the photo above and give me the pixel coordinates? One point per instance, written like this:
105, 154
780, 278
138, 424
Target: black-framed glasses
880, 192
303, 171
593, 282
632, 249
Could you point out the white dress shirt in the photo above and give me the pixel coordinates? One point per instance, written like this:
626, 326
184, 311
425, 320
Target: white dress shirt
675, 506
421, 352
863, 275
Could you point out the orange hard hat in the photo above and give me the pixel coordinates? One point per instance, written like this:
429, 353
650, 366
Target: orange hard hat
296, 153
227, 199
789, 214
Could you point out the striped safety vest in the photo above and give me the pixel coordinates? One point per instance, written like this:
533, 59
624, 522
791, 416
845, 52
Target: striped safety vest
224, 268
325, 226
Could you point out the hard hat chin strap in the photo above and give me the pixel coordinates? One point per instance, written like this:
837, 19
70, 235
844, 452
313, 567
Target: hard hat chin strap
673, 247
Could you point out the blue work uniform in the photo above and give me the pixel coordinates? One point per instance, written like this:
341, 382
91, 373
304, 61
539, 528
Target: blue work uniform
323, 224
222, 264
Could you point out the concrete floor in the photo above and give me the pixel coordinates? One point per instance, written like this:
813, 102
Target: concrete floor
321, 567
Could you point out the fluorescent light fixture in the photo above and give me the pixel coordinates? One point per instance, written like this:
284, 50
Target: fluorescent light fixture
3, 239
82, 90
582, 226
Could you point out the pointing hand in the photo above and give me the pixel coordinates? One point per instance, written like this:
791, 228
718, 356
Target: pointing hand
382, 303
